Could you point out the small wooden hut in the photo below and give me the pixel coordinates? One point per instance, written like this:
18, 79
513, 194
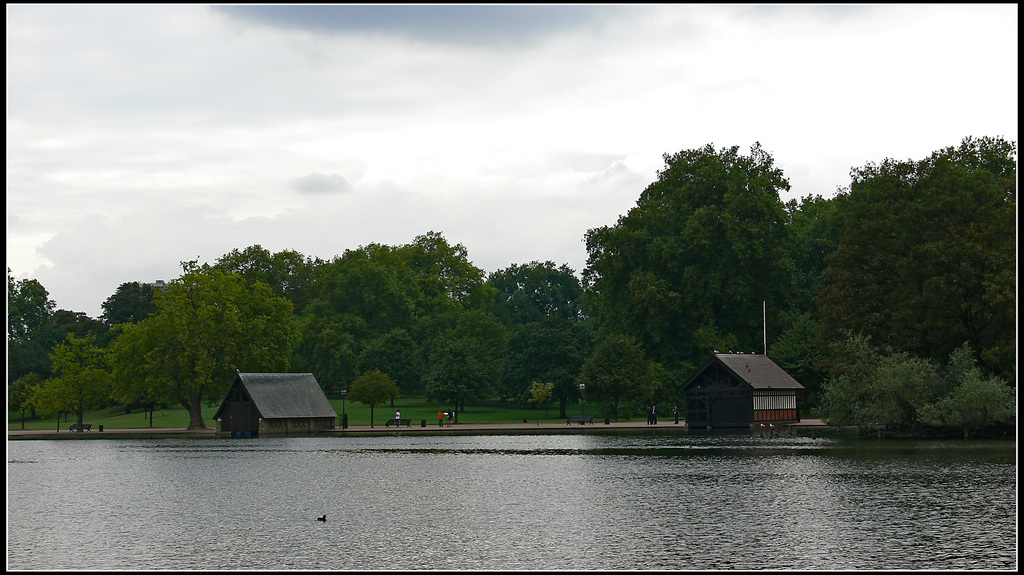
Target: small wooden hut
738, 390
274, 404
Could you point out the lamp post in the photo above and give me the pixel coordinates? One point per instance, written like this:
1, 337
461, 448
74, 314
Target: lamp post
344, 416
583, 401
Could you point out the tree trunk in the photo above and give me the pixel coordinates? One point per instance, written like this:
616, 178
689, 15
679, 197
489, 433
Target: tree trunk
195, 413
80, 416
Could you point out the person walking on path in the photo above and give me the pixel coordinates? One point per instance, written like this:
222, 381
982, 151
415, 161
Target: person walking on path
451, 416
675, 412
654, 414
440, 419
398, 418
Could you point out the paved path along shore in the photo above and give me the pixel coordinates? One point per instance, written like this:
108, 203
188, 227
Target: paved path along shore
461, 428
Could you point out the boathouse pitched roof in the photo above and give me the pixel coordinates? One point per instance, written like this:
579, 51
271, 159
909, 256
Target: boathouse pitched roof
285, 395
756, 370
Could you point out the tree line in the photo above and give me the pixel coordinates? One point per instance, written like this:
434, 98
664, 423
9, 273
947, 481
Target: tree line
892, 301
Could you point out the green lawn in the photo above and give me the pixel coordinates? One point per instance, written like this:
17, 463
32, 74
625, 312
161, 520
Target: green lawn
416, 408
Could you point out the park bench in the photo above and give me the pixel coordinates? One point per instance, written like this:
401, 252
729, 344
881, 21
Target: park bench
580, 419
85, 426
399, 422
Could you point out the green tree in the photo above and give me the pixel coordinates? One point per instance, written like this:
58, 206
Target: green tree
687, 269
540, 393
815, 226
464, 356
372, 388
361, 298
131, 302
927, 258
542, 305
27, 356
134, 378
371, 284
551, 350
65, 322
615, 373
83, 379
29, 309
208, 324
876, 390
802, 354
20, 392
328, 345
54, 397
446, 279
394, 353
537, 291
976, 400
288, 273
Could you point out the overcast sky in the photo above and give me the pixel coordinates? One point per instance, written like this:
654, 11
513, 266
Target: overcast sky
139, 136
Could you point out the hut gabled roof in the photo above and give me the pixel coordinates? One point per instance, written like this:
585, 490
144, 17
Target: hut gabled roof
285, 395
755, 369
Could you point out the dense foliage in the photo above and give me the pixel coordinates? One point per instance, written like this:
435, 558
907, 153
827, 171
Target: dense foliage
892, 301
686, 271
897, 392
927, 258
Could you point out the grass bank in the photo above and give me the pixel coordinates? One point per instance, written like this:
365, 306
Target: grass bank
416, 408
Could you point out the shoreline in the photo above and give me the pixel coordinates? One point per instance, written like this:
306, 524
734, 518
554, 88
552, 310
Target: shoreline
804, 427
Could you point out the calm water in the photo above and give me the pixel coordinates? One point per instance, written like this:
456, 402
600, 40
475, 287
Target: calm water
511, 502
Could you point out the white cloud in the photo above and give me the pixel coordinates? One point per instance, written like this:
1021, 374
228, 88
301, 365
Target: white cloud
143, 135
319, 183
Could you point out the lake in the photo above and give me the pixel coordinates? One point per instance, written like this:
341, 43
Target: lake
551, 502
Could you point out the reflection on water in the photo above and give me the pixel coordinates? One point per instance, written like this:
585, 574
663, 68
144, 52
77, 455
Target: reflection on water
511, 502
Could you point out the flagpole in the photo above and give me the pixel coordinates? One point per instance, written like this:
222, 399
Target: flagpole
764, 324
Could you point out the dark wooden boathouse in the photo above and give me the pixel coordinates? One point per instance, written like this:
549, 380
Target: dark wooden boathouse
274, 404
738, 390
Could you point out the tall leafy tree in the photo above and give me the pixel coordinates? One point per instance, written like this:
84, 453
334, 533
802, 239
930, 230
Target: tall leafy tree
29, 311
553, 351
537, 291
208, 324
396, 354
372, 388
927, 259
288, 273
360, 297
540, 393
615, 373
328, 345
83, 379
372, 284
131, 302
65, 322
28, 308
20, 392
884, 391
687, 269
445, 277
975, 401
464, 356
815, 227
134, 380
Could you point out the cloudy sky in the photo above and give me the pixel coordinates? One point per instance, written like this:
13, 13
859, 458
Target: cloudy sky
139, 136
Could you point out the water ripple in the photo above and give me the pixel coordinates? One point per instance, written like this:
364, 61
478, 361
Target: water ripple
512, 502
